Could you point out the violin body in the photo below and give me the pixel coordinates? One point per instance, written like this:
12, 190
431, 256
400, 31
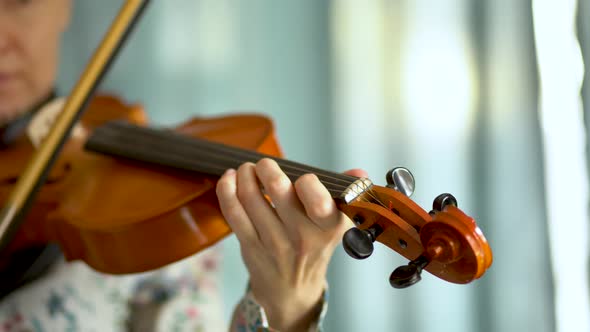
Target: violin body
121, 216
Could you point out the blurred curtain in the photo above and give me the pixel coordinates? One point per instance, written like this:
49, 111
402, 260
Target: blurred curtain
561, 73
481, 99
455, 90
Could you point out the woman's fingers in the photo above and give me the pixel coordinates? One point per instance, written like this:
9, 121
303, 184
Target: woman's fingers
300, 210
361, 173
287, 205
233, 211
264, 219
317, 201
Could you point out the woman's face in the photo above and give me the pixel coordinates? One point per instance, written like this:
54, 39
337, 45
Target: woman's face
30, 33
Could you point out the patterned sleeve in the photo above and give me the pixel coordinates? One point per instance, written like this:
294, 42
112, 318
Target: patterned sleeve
250, 316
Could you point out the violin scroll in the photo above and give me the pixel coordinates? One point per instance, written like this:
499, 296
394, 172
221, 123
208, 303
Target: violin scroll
445, 241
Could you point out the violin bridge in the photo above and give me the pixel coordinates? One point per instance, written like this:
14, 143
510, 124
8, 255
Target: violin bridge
356, 189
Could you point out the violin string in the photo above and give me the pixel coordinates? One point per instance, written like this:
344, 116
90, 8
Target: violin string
168, 148
285, 164
212, 150
180, 162
239, 153
126, 148
174, 156
232, 155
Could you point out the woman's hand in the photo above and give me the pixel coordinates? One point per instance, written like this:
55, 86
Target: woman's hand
287, 248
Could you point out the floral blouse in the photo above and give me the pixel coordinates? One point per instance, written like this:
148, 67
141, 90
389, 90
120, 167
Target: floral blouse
183, 296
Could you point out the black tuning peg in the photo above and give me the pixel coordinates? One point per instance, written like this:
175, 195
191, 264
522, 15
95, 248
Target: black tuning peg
401, 179
442, 201
358, 243
407, 275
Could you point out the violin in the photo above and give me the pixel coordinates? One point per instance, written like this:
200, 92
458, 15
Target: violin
125, 198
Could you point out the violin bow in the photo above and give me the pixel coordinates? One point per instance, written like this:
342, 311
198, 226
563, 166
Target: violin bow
33, 177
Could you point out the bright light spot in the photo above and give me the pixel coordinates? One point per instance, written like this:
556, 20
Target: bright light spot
438, 83
561, 71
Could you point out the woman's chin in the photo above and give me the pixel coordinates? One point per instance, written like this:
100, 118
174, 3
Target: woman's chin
9, 110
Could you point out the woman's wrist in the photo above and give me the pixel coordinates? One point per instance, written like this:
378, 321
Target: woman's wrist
294, 315
252, 315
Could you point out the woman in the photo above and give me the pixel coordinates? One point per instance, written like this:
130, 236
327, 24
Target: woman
285, 254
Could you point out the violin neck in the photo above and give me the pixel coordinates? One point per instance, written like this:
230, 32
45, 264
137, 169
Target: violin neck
171, 149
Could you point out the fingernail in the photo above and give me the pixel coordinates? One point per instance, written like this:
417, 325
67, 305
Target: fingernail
230, 171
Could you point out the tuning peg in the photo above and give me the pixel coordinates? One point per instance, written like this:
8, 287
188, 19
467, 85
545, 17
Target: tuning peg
401, 179
358, 243
408, 275
442, 201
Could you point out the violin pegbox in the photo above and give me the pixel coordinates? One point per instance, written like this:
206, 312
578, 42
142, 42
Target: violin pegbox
445, 241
